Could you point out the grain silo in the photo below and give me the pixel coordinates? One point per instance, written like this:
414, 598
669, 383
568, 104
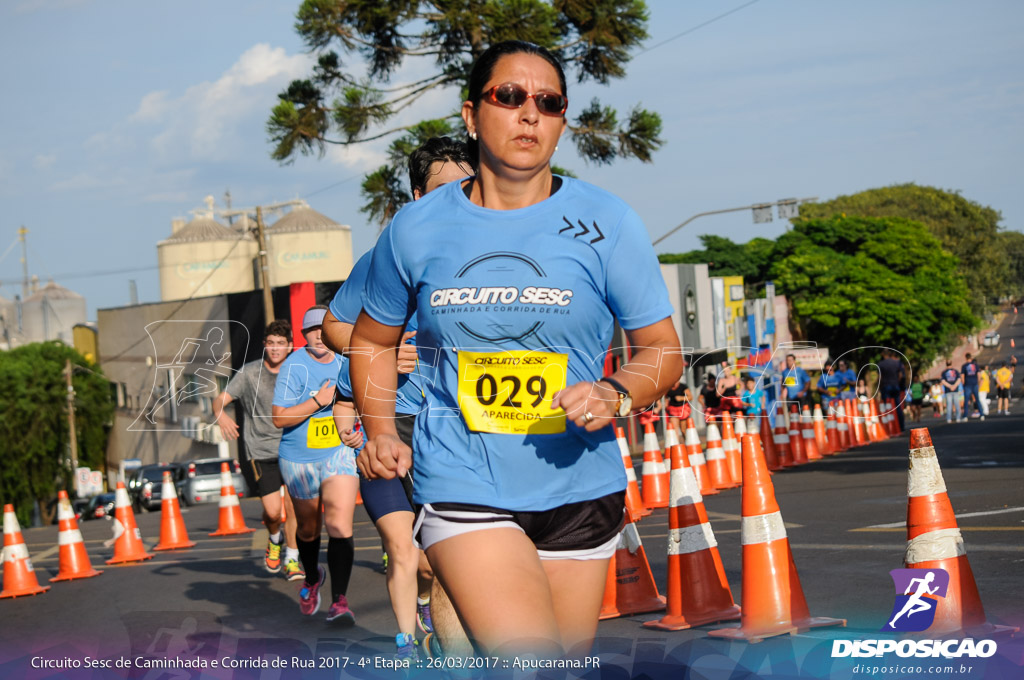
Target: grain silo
204, 257
51, 312
305, 245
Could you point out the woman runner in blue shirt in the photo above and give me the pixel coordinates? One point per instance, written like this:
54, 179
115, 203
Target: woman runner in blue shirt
516, 277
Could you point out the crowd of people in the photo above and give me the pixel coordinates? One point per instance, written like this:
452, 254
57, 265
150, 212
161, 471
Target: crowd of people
958, 394
452, 383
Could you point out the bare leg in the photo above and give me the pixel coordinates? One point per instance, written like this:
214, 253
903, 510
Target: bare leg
509, 611
447, 626
577, 588
395, 529
272, 511
338, 494
290, 523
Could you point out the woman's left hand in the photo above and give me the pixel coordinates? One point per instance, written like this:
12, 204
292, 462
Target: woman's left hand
590, 405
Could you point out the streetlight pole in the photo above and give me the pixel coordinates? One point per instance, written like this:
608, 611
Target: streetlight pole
762, 213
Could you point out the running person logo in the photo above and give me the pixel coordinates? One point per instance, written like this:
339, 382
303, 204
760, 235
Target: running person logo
917, 597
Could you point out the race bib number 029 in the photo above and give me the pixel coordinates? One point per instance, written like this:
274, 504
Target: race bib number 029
322, 433
510, 392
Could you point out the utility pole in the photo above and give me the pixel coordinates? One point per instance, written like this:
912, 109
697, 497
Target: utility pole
261, 239
71, 424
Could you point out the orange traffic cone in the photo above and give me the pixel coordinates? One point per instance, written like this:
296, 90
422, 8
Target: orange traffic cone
860, 430
796, 437
843, 426
782, 444
807, 432
773, 599
820, 431
934, 542
875, 431
697, 461
127, 539
714, 454
698, 591
733, 459
771, 454
894, 420
739, 428
630, 587
831, 434
74, 560
654, 487
19, 574
634, 501
173, 535
231, 520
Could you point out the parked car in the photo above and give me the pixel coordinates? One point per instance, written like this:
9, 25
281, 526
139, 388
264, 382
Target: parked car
145, 484
991, 339
202, 480
99, 506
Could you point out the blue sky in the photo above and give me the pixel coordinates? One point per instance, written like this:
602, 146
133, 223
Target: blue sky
119, 116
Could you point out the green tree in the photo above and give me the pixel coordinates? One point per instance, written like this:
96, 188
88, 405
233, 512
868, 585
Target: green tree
351, 101
1012, 244
751, 260
34, 427
856, 282
964, 228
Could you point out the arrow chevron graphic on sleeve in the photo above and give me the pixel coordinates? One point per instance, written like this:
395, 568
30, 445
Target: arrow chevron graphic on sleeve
584, 230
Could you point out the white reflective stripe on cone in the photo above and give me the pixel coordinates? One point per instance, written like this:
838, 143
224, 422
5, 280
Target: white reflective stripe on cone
15, 552
630, 474
121, 498
782, 438
623, 447
167, 490
691, 437
716, 453
629, 539
11, 525
697, 459
69, 536
941, 544
225, 479
671, 438
762, 529
65, 511
650, 467
651, 442
925, 476
808, 434
683, 489
691, 539
228, 500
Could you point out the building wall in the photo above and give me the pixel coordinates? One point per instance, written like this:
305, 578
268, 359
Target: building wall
52, 318
167, 373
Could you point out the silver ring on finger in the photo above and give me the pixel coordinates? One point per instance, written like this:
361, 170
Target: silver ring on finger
587, 417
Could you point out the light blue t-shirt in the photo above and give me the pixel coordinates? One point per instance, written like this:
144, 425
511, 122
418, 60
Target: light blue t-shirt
345, 306
299, 378
794, 380
551, 277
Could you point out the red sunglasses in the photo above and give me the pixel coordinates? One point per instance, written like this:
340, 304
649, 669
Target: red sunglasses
513, 96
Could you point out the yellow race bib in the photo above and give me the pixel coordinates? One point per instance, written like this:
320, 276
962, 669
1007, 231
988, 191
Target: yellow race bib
510, 392
321, 433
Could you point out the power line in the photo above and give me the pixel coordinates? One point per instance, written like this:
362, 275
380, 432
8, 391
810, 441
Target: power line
694, 28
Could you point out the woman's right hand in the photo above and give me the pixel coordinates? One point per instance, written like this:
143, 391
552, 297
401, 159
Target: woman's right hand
384, 457
325, 395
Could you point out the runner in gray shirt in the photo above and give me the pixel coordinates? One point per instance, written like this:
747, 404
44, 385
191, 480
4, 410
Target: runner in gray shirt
253, 390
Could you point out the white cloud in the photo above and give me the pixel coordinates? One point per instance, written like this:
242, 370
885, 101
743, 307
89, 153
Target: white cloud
44, 160
212, 120
152, 106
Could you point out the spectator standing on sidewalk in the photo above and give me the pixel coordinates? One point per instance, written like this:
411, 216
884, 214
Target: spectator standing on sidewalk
951, 387
969, 372
891, 377
1004, 378
984, 385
